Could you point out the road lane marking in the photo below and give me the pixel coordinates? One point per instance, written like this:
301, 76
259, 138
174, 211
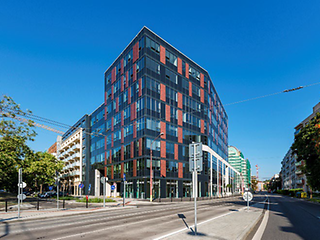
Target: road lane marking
263, 225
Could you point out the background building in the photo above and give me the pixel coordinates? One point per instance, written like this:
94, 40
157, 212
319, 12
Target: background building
242, 165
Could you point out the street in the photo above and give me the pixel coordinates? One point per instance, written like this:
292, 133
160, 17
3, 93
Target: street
142, 222
291, 219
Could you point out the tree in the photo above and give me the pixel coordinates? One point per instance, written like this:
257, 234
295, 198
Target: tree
13, 142
41, 169
307, 148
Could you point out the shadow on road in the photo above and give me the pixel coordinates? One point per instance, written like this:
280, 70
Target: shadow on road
6, 231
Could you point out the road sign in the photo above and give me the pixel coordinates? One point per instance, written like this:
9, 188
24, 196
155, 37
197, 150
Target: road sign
199, 163
22, 185
113, 187
23, 197
89, 187
102, 180
124, 177
50, 188
247, 196
81, 185
195, 148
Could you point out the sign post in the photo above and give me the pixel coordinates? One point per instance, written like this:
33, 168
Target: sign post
247, 196
57, 182
124, 189
195, 166
19, 190
103, 181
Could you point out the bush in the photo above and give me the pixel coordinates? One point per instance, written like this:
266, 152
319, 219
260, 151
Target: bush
95, 200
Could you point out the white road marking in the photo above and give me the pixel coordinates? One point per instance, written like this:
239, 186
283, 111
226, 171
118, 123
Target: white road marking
263, 225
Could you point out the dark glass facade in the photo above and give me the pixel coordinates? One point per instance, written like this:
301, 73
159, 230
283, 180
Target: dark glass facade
151, 88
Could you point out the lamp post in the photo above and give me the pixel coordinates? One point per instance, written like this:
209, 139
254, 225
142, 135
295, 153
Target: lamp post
151, 175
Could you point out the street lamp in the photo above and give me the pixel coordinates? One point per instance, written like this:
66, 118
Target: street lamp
151, 164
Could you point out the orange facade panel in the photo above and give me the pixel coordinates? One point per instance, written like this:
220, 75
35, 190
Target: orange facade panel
180, 135
162, 54
140, 87
122, 152
202, 95
180, 66
202, 126
134, 70
190, 89
187, 70
163, 150
167, 113
163, 129
134, 129
129, 95
122, 66
163, 168
140, 147
179, 100
176, 152
122, 169
132, 150
201, 80
135, 52
162, 92
134, 167
122, 81
180, 170
180, 117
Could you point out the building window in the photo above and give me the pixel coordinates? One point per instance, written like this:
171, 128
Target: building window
171, 58
152, 85
152, 45
127, 58
153, 125
153, 105
194, 73
196, 90
153, 66
171, 76
172, 130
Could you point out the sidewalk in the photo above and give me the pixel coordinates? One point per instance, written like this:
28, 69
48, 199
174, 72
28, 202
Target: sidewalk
232, 225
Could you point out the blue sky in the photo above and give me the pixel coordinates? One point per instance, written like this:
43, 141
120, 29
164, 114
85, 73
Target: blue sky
53, 56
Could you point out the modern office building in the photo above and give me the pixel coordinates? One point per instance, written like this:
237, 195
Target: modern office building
153, 88
242, 165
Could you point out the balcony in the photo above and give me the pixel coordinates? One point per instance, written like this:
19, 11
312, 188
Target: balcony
298, 164
298, 172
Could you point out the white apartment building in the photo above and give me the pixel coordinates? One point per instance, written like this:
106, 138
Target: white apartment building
69, 151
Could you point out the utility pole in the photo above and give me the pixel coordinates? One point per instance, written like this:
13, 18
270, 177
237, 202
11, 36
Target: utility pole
19, 190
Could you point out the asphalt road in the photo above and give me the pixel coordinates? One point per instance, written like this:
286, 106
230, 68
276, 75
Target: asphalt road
145, 222
291, 219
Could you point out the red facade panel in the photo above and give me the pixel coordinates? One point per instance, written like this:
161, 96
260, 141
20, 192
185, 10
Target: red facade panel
179, 66
162, 92
140, 147
134, 129
129, 95
167, 113
140, 87
122, 136
187, 70
202, 95
122, 152
122, 169
180, 135
134, 167
163, 129
201, 80
163, 168
209, 89
117, 104
111, 139
179, 100
122, 118
122, 66
122, 81
113, 75
180, 170
176, 152
162, 54
112, 121
127, 79
133, 111
134, 71
190, 89
112, 92
132, 150
105, 113
202, 125
112, 172
105, 98
180, 117
163, 150
110, 157
135, 52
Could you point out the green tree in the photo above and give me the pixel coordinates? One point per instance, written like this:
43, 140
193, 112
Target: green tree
14, 136
41, 169
307, 148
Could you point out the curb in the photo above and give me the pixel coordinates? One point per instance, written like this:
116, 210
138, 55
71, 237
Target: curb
254, 225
